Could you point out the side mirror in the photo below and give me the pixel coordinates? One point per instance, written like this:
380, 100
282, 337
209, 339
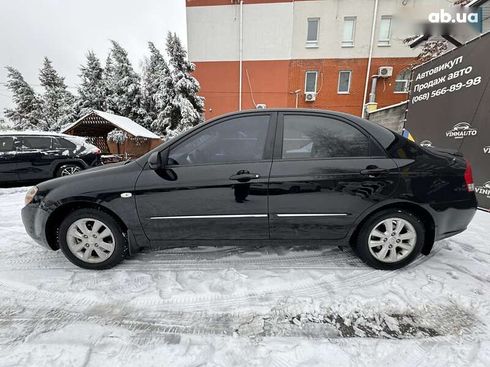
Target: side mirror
158, 160
154, 160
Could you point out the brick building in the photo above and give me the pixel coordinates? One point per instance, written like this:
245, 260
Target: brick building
305, 53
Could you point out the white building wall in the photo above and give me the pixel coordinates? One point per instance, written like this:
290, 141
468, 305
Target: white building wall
277, 31
213, 32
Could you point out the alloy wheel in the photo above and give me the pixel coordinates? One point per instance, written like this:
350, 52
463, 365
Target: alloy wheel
70, 170
90, 240
392, 240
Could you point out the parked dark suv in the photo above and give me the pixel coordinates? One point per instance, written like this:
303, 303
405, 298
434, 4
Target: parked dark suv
265, 175
37, 156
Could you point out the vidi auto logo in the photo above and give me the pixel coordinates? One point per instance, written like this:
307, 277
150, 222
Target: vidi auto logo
486, 150
460, 130
426, 143
483, 189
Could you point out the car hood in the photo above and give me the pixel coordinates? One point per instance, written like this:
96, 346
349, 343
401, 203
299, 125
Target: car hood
115, 175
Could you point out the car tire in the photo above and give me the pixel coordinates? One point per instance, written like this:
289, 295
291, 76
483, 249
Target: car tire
390, 239
92, 239
68, 169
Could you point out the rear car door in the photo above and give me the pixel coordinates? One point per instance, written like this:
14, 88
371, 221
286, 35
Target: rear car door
326, 172
214, 185
36, 157
8, 159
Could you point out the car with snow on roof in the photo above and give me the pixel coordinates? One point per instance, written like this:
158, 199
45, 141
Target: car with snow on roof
37, 156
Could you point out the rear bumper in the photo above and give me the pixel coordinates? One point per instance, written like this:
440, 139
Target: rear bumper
34, 219
453, 218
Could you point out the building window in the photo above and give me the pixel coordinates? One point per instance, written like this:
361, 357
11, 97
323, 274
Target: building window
402, 81
344, 82
349, 31
312, 32
384, 31
311, 81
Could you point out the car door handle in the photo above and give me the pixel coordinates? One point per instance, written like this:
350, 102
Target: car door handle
373, 171
244, 177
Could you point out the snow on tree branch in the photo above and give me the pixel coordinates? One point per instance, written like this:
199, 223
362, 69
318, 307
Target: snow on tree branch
117, 136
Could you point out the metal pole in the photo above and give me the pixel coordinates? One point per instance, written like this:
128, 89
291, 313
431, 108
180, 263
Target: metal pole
240, 58
373, 30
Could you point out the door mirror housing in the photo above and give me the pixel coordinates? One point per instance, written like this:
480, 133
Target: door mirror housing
158, 160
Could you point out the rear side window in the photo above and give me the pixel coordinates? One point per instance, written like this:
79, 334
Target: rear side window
63, 144
240, 139
6, 144
36, 142
321, 137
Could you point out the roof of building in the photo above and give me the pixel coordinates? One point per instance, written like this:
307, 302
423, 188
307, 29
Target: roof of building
121, 122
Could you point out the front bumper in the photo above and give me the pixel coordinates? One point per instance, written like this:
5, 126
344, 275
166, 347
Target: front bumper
34, 219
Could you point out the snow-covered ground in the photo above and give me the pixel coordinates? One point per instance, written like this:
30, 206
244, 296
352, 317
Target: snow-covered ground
235, 307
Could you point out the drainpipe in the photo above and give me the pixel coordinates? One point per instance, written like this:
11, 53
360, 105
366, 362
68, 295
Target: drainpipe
240, 57
372, 95
373, 29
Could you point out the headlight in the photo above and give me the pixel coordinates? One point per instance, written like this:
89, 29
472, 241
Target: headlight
30, 194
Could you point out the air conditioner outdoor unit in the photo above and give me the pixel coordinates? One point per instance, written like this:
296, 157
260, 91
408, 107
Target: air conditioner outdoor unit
310, 96
385, 71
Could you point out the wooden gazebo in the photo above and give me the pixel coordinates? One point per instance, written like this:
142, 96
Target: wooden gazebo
96, 125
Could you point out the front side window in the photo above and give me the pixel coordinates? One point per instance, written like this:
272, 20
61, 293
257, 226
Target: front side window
344, 82
384, 31
36, 142
321, 137
402, 81
240, 139
6, 144
312, 32
348, 32
311, 81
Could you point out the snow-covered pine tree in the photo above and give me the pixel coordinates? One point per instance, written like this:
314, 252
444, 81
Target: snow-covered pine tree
155, 71
123, 85
3, 124
27, 111
184, 108
92, 91
57, 103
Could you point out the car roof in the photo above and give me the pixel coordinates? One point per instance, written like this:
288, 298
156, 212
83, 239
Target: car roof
379, 132
33, 133
296, 110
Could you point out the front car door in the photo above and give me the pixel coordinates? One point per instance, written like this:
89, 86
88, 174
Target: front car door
214, 185
8, 159
326, 172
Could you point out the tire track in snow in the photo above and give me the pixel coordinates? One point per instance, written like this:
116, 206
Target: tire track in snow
153, 327
356, 276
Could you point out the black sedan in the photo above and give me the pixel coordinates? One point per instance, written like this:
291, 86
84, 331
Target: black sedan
37, 156
262, 176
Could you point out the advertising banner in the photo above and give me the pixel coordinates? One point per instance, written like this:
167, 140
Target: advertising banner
449, 107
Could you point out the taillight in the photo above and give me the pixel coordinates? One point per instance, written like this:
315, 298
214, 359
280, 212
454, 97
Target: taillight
468, 177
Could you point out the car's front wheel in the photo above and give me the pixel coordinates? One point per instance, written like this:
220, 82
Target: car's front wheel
92, 239
390, 239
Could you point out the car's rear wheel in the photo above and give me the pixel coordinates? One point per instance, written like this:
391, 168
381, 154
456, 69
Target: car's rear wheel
92, 239
390, 239
68, 169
